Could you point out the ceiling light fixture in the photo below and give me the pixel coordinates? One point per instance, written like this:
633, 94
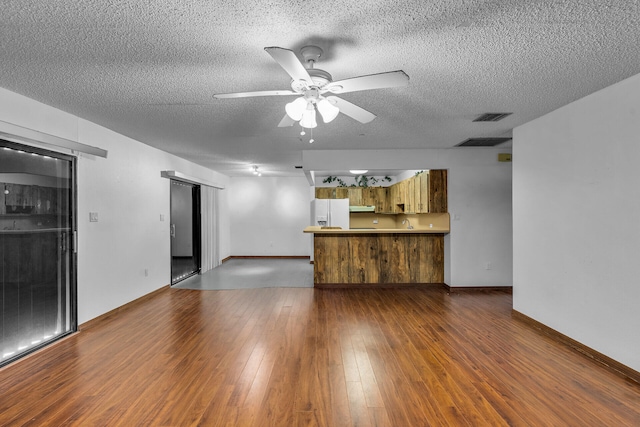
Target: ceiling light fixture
358, 171
327, 110
308, 119
303, 109
256, 171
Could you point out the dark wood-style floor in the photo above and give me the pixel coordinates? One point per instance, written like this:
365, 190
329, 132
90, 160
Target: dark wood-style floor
305, 357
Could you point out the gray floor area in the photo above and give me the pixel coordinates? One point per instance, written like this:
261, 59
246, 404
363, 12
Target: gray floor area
241, 273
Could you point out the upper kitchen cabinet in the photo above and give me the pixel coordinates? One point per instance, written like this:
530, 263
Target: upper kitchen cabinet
354, 195
369, 196
421, 192
425, 192
438, 191
18, 199
377, 197
325, 193
32, 199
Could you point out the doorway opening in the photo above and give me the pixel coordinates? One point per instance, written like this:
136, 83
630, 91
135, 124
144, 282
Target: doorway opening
185, 230
37, 248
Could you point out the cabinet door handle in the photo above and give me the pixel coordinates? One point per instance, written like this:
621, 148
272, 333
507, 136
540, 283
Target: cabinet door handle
173, 230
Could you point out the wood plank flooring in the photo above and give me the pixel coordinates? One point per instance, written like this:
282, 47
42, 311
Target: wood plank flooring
312, 357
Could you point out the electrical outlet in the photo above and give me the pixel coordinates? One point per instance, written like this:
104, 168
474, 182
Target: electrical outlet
93, 216
375, 221
487, 266
162, 217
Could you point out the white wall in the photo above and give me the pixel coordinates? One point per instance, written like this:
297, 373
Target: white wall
129, 195
267, 215
576, 212
479, 190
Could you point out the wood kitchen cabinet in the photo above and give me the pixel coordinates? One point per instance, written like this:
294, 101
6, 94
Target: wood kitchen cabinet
32, 199
377, 197
421, 192
398, 195
19, 198
340, 193
382, 204
335, 193
410, 197
354, 195
325, 193
425, 192
438, 191
369, 197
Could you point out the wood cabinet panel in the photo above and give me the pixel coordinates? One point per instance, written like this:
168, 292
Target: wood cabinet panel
325, 193
378, 259
33, 199
398, 195
422, 193
381, 197
354, 194
410, 197
369, 197
341, 193
438, 191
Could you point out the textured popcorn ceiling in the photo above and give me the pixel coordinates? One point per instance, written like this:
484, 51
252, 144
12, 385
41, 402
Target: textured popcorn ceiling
148, 68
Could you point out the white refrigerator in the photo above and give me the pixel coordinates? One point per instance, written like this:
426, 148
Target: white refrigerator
329, 213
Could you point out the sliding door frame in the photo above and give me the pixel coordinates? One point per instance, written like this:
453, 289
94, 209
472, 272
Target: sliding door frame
68, 243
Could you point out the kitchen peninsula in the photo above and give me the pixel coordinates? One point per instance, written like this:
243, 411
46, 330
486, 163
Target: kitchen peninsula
394, 256
398, 240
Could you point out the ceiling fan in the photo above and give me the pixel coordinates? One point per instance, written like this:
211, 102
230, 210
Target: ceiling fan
316, 89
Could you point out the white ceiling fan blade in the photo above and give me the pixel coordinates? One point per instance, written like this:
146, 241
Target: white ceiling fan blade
256, 93
372, 81
290, 62
286, 121
352, 110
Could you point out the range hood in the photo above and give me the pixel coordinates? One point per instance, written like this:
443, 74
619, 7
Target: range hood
362, 208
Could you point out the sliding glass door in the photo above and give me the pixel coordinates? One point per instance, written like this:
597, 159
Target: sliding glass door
37, 230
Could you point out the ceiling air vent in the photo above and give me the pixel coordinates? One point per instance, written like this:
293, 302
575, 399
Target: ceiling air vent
482, 142
491, 117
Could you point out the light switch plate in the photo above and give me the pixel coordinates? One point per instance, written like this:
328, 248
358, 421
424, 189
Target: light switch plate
93, 216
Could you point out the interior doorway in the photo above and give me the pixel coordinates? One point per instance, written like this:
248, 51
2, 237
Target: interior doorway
185, 230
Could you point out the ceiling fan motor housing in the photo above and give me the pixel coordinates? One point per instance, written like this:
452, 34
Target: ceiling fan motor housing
312, 95
320, 78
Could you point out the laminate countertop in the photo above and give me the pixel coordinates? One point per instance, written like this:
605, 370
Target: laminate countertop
319, 230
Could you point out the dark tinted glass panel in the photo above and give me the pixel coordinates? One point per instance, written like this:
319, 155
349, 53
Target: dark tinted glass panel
37, 298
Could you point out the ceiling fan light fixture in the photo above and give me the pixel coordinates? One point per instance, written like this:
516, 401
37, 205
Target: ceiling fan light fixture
295, 109
327, 110
309, 117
